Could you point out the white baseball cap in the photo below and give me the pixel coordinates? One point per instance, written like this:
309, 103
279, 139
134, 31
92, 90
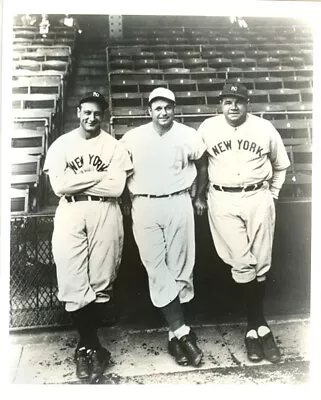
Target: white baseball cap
163, 93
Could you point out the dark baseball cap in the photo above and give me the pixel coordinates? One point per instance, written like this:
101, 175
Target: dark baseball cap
234, 89
94, 97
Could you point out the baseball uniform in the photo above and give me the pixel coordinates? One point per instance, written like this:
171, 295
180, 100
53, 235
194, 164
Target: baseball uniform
162, 212
242, 221
88, 235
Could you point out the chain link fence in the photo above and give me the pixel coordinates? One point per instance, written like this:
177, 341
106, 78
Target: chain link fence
33, 282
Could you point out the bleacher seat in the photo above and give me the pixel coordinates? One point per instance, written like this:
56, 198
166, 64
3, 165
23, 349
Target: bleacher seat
123, 86
166, 63
19, 198
165, 54
209, 84
270, 111
29, 65
25, 168
256, 54
55, 65
294, 131
34, 118
126, 99
182, 85
219, 62
284, 95
188, 54
306, 95
192, 63
37, 84
297, 82
190, 97
199, 109
249, 83
268, 82
207, 53
32, 55
212, 97
268, 62
29, 141
235, 54
204, 72
258, 96
293, 61
146, 63
150, 84
121, 64
255, 72
35, 100
299, 110
300, 178
302, 158
244, 62
176, 73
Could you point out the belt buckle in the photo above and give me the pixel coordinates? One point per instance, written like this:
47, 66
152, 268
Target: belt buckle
73, 199
89, 198
221, 188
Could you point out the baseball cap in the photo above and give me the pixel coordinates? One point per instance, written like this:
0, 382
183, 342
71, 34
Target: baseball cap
161, 93
234, 89
94, 97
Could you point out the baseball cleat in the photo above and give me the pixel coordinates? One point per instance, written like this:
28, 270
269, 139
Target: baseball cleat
270, 350
98, 360
175, 350
254, 349
82, 363
193, 352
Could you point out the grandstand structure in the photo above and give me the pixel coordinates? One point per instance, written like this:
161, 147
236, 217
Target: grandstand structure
192, 57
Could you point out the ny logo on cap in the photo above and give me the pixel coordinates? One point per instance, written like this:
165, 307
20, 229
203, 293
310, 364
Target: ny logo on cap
234, 88
95, 94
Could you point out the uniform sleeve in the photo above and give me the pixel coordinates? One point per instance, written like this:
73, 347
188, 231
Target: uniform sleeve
278, 155
125, 141
197, 145
64, 180
202, 133
114, 180
121, 159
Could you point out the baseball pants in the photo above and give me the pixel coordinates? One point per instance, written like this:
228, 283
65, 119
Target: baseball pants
164, 232
242, 226
87, 246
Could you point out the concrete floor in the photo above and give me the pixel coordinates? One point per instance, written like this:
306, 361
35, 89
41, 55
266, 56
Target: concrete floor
141, 357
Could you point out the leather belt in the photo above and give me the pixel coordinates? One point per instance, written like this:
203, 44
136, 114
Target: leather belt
155, 196
239, 188
84, 197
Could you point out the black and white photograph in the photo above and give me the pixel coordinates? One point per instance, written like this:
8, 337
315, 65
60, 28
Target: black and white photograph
159, 223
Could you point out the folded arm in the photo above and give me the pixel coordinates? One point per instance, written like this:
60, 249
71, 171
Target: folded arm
69, 183
112, 184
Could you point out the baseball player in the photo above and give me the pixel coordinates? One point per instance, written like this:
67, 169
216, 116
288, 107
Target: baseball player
87, 169
245, 170
164, 153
